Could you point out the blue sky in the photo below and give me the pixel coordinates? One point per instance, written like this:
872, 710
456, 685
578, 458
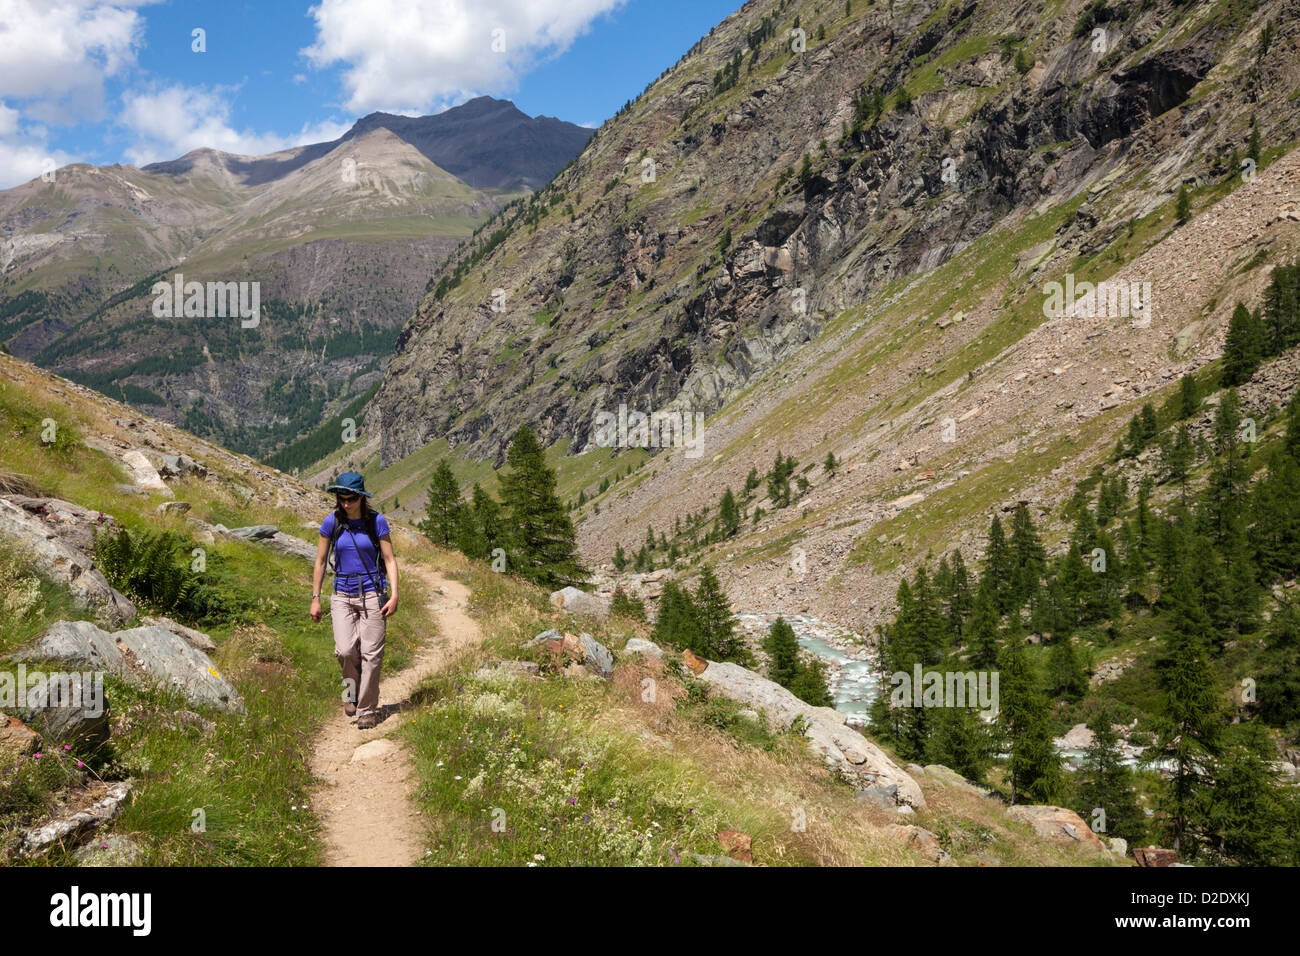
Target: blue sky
106, 81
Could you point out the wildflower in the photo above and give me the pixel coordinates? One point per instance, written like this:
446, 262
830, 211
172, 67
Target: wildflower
538, 856
572, 800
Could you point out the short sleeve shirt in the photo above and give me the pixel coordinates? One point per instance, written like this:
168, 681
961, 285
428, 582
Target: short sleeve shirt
358, 567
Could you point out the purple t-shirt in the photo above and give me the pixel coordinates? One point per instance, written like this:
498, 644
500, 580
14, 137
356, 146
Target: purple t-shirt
355, 560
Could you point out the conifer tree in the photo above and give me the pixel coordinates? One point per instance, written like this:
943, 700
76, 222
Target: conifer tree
677, 624
1066, 677
543, 547
1189, 398
1035, 766
728, 515
982, 628
1104, 783
620, 558
717, 627
810, 686
959, 739
1244, 348
443, 513
1029, 560
1252, 818
783, 648
999, 566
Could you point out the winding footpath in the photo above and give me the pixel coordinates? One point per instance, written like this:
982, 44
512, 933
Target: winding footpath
364, 799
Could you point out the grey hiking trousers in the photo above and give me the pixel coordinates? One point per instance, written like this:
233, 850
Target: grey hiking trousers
359, 646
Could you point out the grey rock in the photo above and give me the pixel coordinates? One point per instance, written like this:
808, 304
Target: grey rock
254, 532
598, 657
67, 707
196, 639
112, 850
714, 859
181, 466
579, 602
141, 655
269, 536
542, 638
639, 645
883, 795
74, 827
173, 507
54, 558
845, 750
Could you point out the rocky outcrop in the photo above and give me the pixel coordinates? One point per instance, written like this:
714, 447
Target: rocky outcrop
1057, 824
271, 537
100, 805
843, 748
46, 545
576, 601
142, 655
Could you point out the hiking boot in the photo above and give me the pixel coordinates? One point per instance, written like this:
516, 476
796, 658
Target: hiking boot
349, 709
365, 723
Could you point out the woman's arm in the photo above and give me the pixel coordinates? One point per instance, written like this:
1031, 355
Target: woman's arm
390, 564
318, 576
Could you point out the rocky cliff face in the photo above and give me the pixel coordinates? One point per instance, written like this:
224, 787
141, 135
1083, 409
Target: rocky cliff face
835, 239
618, 284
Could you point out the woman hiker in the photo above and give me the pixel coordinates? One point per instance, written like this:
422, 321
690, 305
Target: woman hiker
364, 595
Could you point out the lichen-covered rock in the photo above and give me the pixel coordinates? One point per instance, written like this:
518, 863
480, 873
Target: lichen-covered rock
53, 557
142, 655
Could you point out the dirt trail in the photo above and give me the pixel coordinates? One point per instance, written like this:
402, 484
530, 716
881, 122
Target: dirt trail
364, 801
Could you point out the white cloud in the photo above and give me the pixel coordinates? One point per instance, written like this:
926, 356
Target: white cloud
57, 54
421, 55
170, 121
24, 152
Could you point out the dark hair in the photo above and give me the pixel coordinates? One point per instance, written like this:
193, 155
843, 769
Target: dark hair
341, 515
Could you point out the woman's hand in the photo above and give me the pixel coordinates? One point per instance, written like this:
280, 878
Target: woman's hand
389, 609
315, 610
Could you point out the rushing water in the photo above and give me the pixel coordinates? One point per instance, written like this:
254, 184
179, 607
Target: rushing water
852, 668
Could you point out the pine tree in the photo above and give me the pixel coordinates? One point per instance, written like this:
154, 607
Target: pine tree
1029, 560
620, 558
622, 603
810, 685
959, 598
1189, 398
1182, 205
830, 465
1190, 727
999, 567
1244, 348
443, 512
1252, 817
1104, 783
1066, 677
1279, 675
1035, 766
717, 627
728, 515
677, 624
982, 628
543, 547
782, 647
959, 739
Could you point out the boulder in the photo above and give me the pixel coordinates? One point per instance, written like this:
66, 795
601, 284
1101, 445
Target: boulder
696, 665
105, 803
573, 600
67, 707
173, 507
739, 845
1154, 856
141, 655
54, 558
596, 656
143, 473
1078, 737
70, 523
17, 736
918, 839
112, 850
196, 639
844, 749
1118, 846
271, 537
181, 466
953, 780
639, 645
1057, 823
884, 796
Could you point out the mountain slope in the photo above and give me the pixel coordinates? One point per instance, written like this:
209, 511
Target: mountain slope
340, 236
840, 249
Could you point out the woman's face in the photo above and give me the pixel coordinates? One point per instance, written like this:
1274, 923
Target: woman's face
351, 505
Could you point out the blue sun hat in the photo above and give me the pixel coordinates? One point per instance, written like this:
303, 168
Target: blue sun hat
350, 481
